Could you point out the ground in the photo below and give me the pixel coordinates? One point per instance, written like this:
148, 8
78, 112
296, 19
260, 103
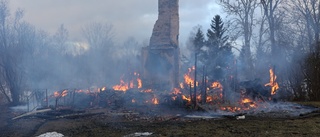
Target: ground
112, 123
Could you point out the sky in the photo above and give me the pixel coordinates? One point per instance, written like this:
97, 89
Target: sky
130, 18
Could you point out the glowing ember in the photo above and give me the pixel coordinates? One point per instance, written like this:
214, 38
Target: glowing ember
176, 91
147, 90
273, 84
230, 109
155, 101
181, 86
103, 88
56, 94
246, 100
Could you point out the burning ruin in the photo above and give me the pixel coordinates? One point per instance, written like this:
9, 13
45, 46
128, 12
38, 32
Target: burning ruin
159, 82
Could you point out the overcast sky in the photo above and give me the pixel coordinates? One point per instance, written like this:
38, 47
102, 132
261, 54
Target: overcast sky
129, 17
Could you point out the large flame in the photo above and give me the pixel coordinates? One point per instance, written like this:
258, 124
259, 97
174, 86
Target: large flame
122, 86
188, 79
273, 84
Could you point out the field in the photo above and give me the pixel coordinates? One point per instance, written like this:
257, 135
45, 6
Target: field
126, 123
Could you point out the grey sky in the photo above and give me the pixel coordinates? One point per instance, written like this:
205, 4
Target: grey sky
129, 17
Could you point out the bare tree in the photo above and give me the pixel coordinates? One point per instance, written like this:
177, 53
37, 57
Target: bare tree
16, 41
273, 15
307, 14
60, 38
99, 36
130, 48
242, 12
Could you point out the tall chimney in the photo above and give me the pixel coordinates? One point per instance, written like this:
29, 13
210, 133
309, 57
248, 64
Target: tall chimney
160, 60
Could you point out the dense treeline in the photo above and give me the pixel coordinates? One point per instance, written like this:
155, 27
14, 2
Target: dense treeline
34, 59
283, 34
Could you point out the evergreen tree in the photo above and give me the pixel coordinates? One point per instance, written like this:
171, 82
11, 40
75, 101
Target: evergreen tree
215, 34
199, 40
219, 54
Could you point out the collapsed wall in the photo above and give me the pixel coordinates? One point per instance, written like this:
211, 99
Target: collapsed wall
160, 60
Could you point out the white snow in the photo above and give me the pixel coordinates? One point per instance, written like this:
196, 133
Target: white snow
51, 134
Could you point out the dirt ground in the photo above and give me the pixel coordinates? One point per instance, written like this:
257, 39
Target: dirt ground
121, 124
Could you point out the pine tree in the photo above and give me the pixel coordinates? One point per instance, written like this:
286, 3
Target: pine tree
216, 32
219, 54
199, 40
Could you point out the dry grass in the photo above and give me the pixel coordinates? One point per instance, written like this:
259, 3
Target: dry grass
311, 103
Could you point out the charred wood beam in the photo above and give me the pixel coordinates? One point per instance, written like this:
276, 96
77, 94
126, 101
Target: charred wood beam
32, 113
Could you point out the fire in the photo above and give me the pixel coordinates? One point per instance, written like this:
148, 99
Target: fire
247, 101
64, 93
56, 94
217, 85
122, 86
181, 85
273, 84
155, 101
176, 91
103, 88
188, 79
186, 98
230, 109
131, 84
139, 83
147, 90
214, 93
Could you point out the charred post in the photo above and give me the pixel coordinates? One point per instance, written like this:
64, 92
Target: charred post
204, 85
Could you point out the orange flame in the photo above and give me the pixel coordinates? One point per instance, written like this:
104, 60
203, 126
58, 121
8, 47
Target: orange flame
186, 98
122, 86
176, 91
131, 84
181, 85
214, 93
64, 93
147, 90
103, 88
273, 84
231, 109
56, 94
139, 83
188, 79
216, 85
251, 103
155, 101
